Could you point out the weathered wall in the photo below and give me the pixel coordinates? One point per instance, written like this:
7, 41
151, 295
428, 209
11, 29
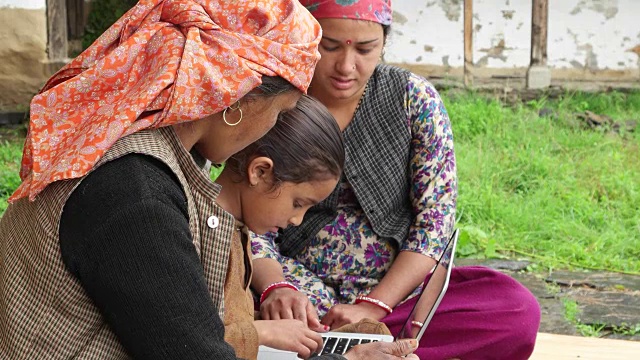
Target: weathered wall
594, 34
587, 39
23, 39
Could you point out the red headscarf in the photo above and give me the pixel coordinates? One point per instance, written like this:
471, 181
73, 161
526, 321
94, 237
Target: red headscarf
378, 11
162, 63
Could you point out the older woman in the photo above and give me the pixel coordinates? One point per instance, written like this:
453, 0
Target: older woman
116, 211
365, 251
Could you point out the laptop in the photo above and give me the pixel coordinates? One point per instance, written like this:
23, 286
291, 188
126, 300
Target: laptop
414, 326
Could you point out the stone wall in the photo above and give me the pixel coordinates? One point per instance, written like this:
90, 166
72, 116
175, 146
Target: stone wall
23, 36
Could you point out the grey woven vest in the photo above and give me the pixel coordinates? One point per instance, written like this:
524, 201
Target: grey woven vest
377, 146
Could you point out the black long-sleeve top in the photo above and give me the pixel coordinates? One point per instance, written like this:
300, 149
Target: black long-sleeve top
147, 279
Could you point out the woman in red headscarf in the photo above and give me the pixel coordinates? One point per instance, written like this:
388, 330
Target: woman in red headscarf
365, 251
114, 245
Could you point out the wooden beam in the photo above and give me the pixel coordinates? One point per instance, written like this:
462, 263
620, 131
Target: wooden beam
468, 43
539, 28
57, 47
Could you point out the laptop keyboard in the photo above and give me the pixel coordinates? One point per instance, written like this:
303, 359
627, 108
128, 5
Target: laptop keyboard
336, 345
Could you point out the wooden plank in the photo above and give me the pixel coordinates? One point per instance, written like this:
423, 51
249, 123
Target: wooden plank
57, 47
539, 29
468, 42
564, 347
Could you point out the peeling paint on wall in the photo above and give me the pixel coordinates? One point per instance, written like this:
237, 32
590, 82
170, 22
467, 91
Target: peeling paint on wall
445, 60
494, 52
507, 14
587, 34
398, 18
452, 8
593, 36
609, 8
505, 41
427, 32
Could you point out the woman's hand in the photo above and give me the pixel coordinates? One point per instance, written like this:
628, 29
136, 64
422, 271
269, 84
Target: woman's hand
291, 335
286, 303
344, 314
384, 350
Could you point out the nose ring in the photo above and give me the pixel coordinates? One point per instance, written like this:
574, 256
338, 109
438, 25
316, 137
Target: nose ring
354, 67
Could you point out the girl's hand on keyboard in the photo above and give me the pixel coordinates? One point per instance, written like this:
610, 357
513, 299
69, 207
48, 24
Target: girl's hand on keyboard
291, 335
400, 349
285, 303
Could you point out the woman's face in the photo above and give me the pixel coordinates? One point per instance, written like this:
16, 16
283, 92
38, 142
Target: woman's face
350, 51
267, 210
259, 114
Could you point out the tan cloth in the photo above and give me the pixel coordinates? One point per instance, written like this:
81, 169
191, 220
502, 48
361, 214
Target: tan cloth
365, 326
239, 314
44, 311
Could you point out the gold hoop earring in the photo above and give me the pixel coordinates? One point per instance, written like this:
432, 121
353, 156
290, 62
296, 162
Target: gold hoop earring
224, 114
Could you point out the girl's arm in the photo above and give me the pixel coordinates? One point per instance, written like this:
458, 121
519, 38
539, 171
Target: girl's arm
281, 302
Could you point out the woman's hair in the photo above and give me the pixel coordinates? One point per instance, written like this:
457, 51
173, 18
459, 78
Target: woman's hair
271, 86
386, 29
305, 145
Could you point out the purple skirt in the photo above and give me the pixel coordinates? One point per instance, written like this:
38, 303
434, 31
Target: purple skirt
484, 315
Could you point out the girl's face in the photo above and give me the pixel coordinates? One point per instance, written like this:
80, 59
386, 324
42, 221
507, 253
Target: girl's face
350, 51
265, 209
259, 115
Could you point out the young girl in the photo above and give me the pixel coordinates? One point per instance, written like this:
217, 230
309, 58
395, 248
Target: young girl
269, 186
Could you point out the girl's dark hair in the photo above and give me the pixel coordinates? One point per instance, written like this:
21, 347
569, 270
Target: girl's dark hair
305, 145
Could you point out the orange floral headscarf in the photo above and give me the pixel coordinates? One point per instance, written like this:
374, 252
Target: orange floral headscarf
162, 63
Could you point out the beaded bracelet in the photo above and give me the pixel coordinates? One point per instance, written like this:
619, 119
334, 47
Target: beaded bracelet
276, 285
373, 301
417, 323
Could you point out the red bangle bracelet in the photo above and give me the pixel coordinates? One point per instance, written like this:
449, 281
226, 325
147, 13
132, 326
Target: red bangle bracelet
276, 285
376, 302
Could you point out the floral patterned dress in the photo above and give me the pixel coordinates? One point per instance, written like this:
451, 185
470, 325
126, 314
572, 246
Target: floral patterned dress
347, 258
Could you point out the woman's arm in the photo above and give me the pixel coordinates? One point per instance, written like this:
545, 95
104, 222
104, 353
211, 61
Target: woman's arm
433, 199
433, 192
124, 234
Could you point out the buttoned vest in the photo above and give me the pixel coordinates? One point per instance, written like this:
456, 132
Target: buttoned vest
44, 311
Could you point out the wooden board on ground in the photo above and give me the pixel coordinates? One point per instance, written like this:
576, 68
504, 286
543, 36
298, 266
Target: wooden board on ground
561, 347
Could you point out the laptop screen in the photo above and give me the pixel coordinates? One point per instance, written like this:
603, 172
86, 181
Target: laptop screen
433, 290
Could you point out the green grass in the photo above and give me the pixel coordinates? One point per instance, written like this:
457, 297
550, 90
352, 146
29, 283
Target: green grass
540, 188
10, 155
545, 188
